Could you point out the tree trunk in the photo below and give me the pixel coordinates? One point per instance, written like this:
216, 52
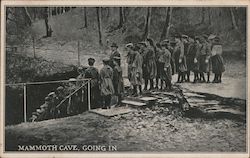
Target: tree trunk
170, 20
47, 26
99, 21
164, 31
233, 19
203, 15
147, 24
85, 18
121, 17
209, 16
167, 25
27, 14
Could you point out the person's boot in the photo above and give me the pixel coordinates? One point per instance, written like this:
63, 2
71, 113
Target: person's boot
208, 77
179, 78
140, 89
203, 78
151, 84
215, 78
188, 76
134, 90
146, 85
219, 78
156, 83
195, 78
182, 77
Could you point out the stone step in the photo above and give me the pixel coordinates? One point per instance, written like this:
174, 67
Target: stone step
133, 103
112, 112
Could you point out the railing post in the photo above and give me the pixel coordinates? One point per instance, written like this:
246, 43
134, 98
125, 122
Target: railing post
24, 102
89, 108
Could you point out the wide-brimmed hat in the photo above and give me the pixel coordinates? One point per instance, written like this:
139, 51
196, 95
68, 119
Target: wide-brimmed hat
217, 39
210, 37
91, 60
129, 45
60, 88
72, 80
197, 37
117, 57
165, 42
51, 94
47, 98
114, 45
106, 59
184, 36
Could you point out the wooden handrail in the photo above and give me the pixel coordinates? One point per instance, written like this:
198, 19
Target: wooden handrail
71, 94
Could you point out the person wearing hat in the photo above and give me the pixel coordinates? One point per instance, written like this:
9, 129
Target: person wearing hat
196, 60
130, 58
60, 95
114, 53
136, 71
106, 84
159, 64
191, 52
145, 72
92, 73
184, 39
180, 59
43, 112
166, 74
218, 66
150, 63
118, 80
73, 100
205, 62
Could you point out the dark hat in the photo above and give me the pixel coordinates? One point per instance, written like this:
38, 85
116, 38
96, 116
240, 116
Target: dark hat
142, 43
192, 36
92, 60
165, 42
197, 38
177, 35
114, 45
217, 39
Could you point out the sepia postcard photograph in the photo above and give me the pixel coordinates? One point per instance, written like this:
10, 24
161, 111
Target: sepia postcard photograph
124, 79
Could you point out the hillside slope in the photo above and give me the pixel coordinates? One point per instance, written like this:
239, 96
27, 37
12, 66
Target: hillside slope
142, 130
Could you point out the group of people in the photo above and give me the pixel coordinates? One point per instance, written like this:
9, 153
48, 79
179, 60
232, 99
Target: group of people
182, 55
148, 63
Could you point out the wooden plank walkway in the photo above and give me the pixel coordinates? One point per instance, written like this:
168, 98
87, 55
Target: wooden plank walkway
112, 112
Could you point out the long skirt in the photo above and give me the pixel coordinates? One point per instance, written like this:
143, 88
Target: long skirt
203, 66
190, 63
136, 77
183, 65
217, 64
167, 74
173, 66
158, 65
